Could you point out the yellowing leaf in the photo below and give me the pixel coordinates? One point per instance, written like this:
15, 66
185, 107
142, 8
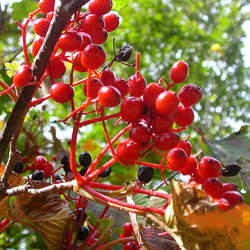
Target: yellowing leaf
196, 223
11, 68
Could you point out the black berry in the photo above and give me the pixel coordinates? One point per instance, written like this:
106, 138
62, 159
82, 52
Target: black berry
65, 163
145, 174
18, 168
231, 170
83, 233
80, 215
85, 159
38, 175
58, 177
106, 172
124, 53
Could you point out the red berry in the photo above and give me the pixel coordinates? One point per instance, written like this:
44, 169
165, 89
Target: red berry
121, 85
109, 96
209, 167
61, 92
161, 124
99, 37
140, 133
36, 45
70, 41
86, 40
229, 187
93, 56
223, 204
128, 152
56, 68
39, 162
127, 229
41, 26
137, 84
213, 187
131, 109
92, 23
111, 21
100, 7
186, 146
190, 166
22, 76
92, 87
107, 77
179, 72
167, 141
48, 169
76, 60
166, 103
150, 93
234, 198
184, 116
46, 6
190, 94
50, 15
176, 159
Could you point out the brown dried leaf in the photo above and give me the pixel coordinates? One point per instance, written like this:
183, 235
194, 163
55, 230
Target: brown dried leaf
196, 223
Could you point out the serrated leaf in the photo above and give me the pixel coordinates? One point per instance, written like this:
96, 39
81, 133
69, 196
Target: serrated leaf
196, 223
11, 68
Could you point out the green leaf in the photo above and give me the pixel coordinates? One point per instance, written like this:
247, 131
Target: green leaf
11, 68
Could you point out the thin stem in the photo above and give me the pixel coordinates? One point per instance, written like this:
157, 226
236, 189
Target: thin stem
12, 95
6, 91
115, 242
137, 63
152, 165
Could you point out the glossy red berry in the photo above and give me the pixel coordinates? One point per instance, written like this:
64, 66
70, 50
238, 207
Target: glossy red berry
213, 187
99, 37
41, 26
86, 40
93, 56
166, 103
137, 84
56, 68
46, 6
179, 71
131, 109
150, 93
36, 45
184, 116
109, 96
50, 15
209, 167
39, 162
22, 76
121, 85
76, 60
141, 134
190, 166
100, 7
161, 124
128, 152
190, 94
186, 146
107, 77
61, 92
229, 187
92, 87
223, 204
166, 141
176, 159
127, 229
92, 23
233, 197
70, 41
111, 21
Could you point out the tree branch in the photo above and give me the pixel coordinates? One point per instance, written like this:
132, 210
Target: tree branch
64, 9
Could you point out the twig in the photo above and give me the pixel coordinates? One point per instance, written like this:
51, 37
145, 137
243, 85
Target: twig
167, 179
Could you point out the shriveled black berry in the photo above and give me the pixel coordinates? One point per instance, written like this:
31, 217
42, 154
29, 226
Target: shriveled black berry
85, 159
145, 174
106, 172
18, 168
83, 233
65, 163
83, 171
124, 53
80, 215
231, 170
38, 175
58, 177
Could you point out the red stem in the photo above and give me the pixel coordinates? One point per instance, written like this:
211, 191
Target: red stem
7, 90
152, 165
